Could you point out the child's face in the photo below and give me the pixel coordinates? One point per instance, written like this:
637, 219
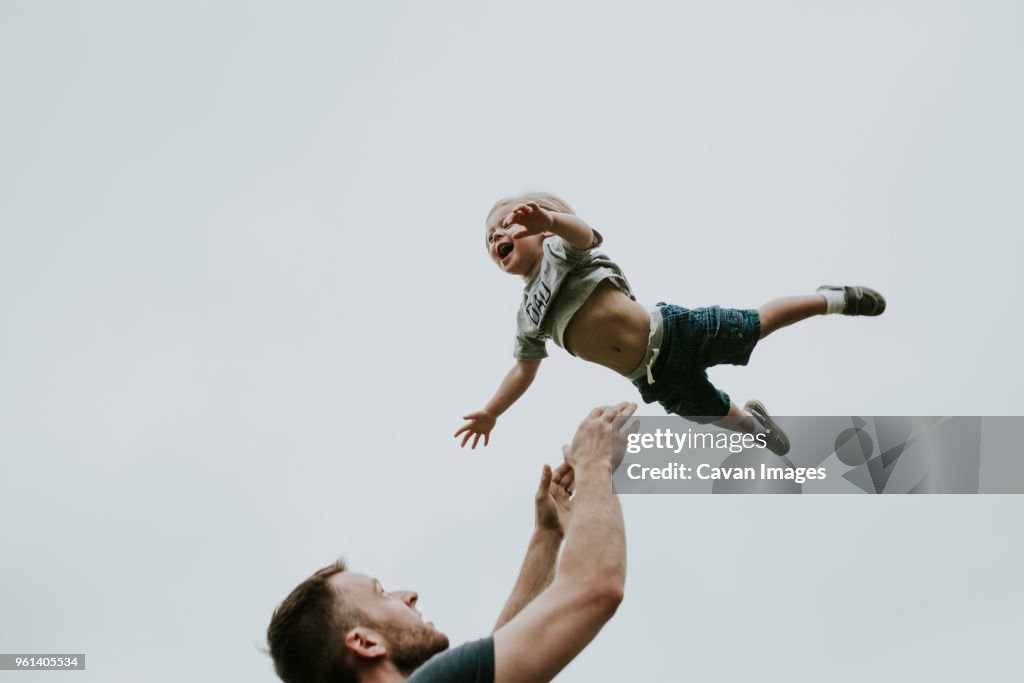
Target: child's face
515, 257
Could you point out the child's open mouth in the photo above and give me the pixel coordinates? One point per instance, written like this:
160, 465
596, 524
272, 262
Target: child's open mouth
504, 249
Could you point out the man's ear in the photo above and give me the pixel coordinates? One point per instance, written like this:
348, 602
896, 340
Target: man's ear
365, 643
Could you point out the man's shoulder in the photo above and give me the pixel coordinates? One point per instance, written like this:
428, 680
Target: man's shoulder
471, 662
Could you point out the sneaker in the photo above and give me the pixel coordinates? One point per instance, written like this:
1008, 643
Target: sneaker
860, 300
777, 441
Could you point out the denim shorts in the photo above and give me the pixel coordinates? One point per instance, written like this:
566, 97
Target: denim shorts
694, 339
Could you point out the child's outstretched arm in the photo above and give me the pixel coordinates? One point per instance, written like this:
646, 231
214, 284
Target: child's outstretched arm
537, 220
515, 384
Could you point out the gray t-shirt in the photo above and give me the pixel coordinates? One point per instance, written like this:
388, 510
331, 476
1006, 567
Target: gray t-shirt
563, 282
472, 662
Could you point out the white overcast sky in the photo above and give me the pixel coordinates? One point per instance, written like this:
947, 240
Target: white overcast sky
244, 302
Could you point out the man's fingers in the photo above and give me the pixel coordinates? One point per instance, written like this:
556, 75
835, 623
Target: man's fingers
569, 480
609, 412
545, 482
559, 494
561, 472
465, 439
562, 480
476, 439
624, 409
634, 427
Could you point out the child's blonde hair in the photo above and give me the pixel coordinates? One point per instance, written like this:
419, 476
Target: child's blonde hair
546, 200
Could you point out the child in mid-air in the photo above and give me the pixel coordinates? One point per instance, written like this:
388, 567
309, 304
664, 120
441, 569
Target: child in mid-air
579, 298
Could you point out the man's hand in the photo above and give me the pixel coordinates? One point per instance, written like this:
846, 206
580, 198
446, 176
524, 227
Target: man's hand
546, 634
620, 439
554, 498
480, 424
554, 511
595, 438
530, 216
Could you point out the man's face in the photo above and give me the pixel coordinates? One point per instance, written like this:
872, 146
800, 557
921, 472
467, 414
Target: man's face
410, 640
516, 257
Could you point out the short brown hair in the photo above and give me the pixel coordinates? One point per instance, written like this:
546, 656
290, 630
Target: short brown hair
306, 631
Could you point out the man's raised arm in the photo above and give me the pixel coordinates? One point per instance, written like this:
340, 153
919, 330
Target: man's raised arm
549, 632
553, 512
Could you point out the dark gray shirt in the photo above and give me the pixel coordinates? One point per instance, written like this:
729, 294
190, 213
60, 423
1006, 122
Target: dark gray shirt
564, 280
472, 662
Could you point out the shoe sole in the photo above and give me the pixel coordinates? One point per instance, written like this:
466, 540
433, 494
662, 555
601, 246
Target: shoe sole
757, 408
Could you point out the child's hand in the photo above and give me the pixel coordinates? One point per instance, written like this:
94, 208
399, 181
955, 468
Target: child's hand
480, 424
532, 217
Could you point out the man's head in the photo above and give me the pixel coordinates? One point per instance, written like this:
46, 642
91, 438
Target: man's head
337, 623
518, 257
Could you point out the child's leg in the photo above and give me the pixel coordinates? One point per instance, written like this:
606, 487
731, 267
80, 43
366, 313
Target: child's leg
848, 300
738, 420
779, 313
756, 421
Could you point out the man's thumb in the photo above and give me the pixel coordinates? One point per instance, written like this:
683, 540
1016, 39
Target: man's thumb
545, 480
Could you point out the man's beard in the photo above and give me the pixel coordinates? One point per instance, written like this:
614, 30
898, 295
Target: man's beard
411, 647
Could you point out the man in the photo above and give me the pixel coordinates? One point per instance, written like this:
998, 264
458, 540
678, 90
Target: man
339, 626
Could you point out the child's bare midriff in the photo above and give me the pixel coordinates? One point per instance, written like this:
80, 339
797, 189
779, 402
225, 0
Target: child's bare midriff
609, 329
